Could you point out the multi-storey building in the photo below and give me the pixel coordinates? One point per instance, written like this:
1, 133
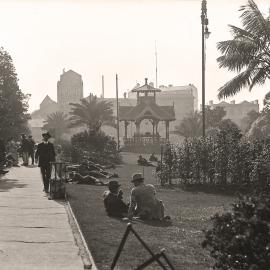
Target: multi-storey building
69, 89
236, 111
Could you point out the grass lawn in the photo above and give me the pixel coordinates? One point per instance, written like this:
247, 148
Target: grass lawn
190, 214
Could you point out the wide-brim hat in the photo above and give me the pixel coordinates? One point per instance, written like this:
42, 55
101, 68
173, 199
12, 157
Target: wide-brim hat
46, 134
137, 177
113, 184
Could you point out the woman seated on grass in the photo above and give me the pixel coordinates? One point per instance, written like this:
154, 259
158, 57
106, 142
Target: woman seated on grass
86, 179
113, 201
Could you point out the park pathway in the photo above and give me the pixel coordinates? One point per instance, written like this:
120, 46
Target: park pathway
34, 232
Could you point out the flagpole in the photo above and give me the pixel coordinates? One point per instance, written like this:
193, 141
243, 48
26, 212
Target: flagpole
103, 95
117, 113
156, 63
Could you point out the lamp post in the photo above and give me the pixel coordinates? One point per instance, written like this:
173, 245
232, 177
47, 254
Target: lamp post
205, 35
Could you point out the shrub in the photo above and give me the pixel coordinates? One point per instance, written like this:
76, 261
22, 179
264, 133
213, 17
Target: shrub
229, 162
241, 239
96, 146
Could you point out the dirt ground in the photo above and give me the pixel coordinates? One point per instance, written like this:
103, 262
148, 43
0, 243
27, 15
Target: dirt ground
190, 213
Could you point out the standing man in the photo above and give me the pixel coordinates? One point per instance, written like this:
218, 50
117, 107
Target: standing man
25, 150
45, 154
31, 148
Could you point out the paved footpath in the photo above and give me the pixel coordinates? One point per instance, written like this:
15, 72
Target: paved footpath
34, 232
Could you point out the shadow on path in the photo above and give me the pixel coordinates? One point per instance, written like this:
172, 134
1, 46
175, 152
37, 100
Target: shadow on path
7, 184
31, 166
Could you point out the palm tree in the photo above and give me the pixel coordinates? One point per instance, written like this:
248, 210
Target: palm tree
248, 53
57, 123
92, 113
190, 126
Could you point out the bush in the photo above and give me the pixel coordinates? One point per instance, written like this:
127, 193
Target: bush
96, 146
228, 162
241, 239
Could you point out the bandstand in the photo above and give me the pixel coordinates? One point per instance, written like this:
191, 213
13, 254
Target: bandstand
146, 108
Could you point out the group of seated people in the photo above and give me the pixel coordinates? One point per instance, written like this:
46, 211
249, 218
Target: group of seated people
144, 162
89, 173
143, 202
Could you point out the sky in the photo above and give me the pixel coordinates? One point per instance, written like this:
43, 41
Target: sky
109, 37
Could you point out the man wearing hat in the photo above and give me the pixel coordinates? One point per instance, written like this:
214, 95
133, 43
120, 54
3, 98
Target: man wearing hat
31, 148
143, 200
25, 149
45, 154
113, 201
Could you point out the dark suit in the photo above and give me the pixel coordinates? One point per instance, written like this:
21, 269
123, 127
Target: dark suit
45, 154
114, 205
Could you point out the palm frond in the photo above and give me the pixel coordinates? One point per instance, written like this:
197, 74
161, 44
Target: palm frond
235, 85
259, 78
238, 32
92, 113
248, 52
253, 20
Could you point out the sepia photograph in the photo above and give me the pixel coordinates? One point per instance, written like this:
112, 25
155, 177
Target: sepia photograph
135, 134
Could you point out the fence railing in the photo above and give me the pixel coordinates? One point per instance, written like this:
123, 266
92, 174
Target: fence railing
144, 141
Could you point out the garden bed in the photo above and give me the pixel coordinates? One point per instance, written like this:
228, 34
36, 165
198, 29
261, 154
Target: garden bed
190, 214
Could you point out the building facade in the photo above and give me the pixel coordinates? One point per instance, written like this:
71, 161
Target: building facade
69, 89
237, 111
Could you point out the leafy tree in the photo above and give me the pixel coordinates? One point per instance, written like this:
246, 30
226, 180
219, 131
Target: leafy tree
57, 123
266, 103
191, 126
13, 103
260, 129
248, 120
92, 113
230, 126
248, 53
213, 116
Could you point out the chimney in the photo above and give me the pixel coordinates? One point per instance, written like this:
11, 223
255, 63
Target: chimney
125, 94
232, 102
256, 101
146, 80
211, 102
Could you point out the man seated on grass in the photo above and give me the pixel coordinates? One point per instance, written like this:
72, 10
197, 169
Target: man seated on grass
143, 201
143, 162
113, 201
86, 179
